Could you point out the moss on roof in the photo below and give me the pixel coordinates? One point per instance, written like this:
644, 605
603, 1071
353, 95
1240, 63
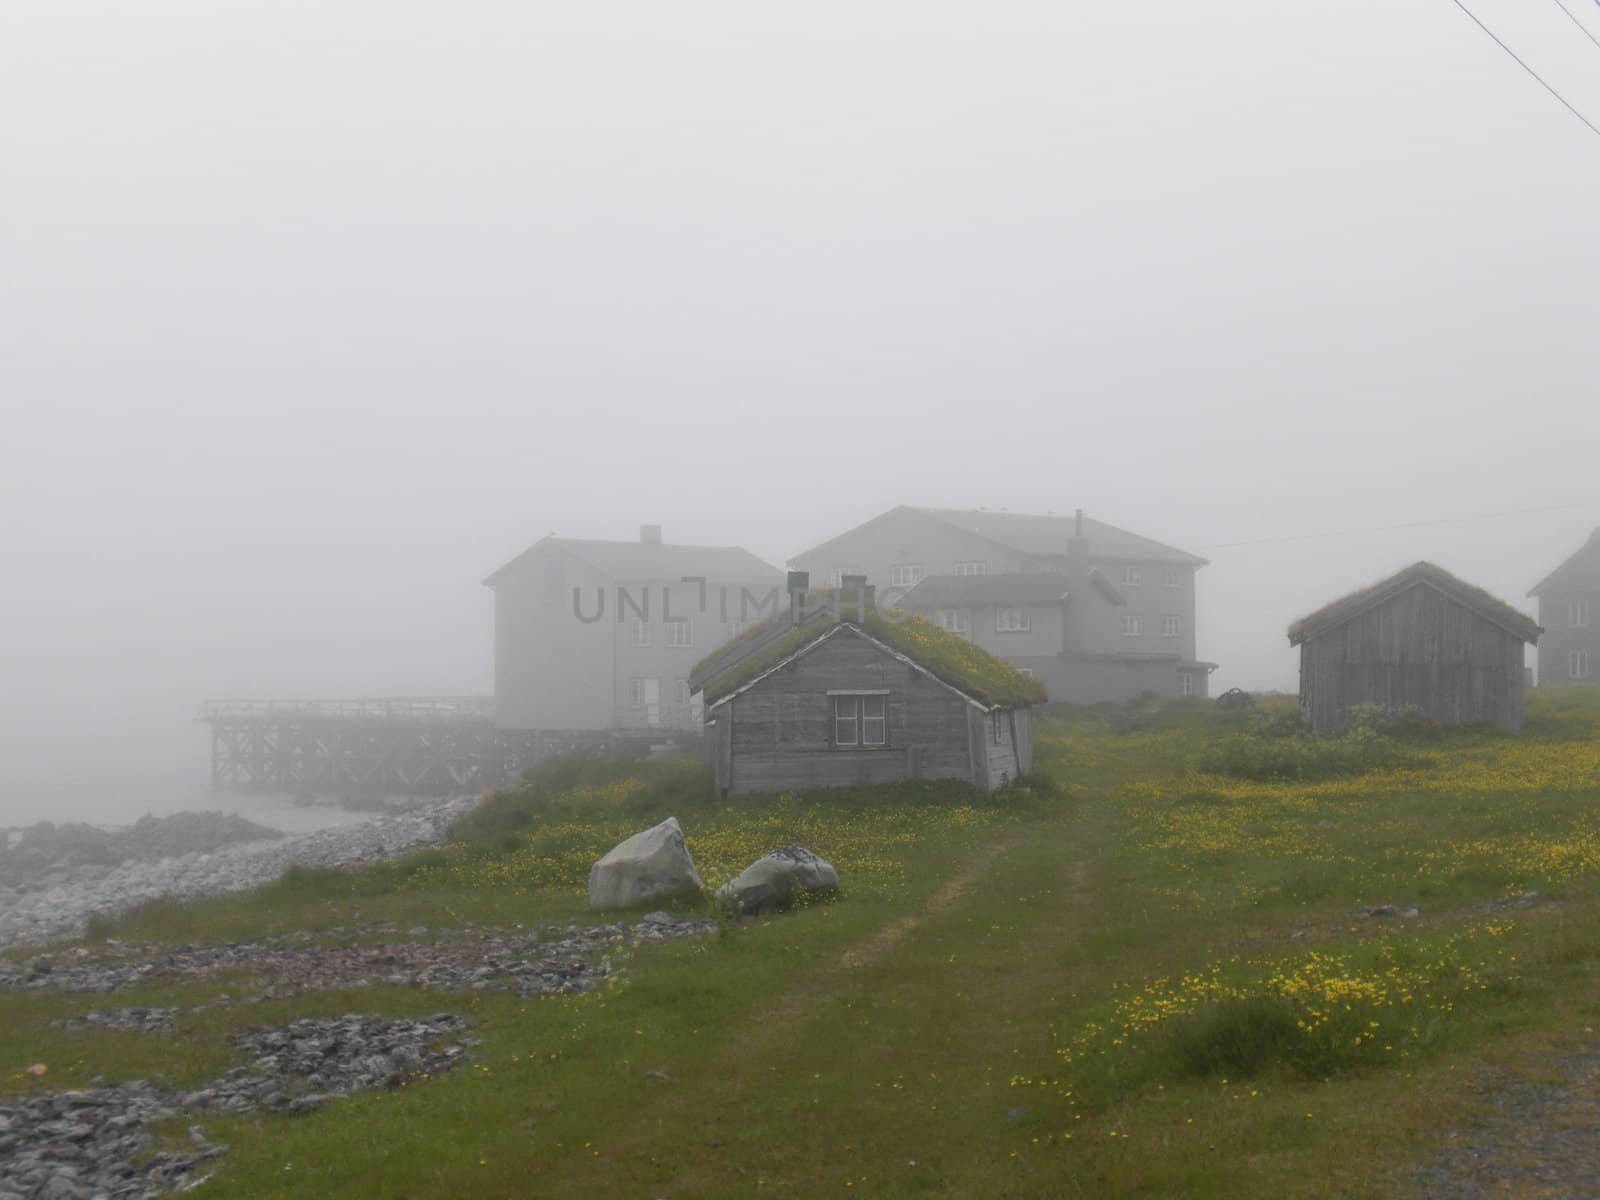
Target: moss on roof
1491, 607
944, 655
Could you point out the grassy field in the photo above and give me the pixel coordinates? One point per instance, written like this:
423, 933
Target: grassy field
1148, 974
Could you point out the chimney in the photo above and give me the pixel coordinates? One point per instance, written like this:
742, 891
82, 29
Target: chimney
799, 585
857, 594
1074, 618
650, 535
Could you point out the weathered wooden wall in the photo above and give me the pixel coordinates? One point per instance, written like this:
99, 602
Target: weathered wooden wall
779, 734
1418, 649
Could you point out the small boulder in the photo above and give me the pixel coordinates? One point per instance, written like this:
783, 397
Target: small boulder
778, 879
649, 866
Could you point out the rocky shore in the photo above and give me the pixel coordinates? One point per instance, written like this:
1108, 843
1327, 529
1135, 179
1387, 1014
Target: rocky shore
53, 879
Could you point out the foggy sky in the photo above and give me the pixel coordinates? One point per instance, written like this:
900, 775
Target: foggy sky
311, 315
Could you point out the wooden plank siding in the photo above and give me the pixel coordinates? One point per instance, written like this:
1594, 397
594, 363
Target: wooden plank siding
779, 734
1421, 649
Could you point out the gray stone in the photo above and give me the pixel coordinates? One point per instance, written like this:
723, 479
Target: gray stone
651, 865
779, 879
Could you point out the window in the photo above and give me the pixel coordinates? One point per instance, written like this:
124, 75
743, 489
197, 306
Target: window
733, 629
680, 633
905, 574
1170, 577
1028, 671
1578, 613
1130, 576
1186, 683
860, 719
1011, 620
972, 568
641, 632
1169, 624
955, 620
836, 576
683, 691
1577, 664
1132, 625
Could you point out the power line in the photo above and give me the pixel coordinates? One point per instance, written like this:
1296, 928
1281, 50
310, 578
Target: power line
1562, 5
1333, 533
1592, 127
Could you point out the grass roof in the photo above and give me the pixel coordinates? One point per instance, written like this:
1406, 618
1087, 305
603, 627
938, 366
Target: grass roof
1489, 606
944, 655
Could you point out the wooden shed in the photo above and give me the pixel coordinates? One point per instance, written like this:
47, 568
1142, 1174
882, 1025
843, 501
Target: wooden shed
862, 698
1420, 639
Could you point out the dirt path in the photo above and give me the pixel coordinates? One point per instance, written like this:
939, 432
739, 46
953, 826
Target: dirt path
882, 943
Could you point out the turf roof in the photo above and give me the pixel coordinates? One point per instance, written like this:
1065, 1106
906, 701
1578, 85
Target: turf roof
1488, 606
954, 660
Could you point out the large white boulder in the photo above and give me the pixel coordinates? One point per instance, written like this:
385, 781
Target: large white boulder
778, 879
649, 866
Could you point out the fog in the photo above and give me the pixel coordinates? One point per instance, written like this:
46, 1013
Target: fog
311, 316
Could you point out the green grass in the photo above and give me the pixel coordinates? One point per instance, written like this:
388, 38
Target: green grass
1093, 986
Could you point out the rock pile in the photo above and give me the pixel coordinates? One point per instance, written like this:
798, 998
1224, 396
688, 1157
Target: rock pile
59, 904
97, 1143
48, 851
300, 1066
571, 958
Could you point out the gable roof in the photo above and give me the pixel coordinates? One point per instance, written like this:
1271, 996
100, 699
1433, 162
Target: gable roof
1037, 535
1491, 609
1580, 573
653, 560
974, 672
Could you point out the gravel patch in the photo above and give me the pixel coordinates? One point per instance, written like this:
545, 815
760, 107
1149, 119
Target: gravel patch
1526, 1138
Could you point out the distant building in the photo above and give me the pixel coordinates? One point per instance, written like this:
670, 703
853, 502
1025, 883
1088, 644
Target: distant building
597, 636
839, 695
1420, 639
1569, 610
1094, 612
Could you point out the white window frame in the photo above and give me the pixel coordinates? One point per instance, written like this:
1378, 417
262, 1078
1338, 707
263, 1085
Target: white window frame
640, 633
680, 632
1012, 620
636, 692
1577, 664
972, 567
733, 627
1132, 625
905, 575
684, 694
955, 620
1131, 576
1185, 683
864, 715
1170, 577
1578, 613
1170, 625
837, 574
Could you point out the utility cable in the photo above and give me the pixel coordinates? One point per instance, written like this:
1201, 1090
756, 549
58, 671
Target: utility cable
1565, 104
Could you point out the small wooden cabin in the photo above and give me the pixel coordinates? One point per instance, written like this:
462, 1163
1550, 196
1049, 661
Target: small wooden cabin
860, 699
1420, 639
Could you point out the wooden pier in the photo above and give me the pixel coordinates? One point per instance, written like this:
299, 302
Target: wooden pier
413, 746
